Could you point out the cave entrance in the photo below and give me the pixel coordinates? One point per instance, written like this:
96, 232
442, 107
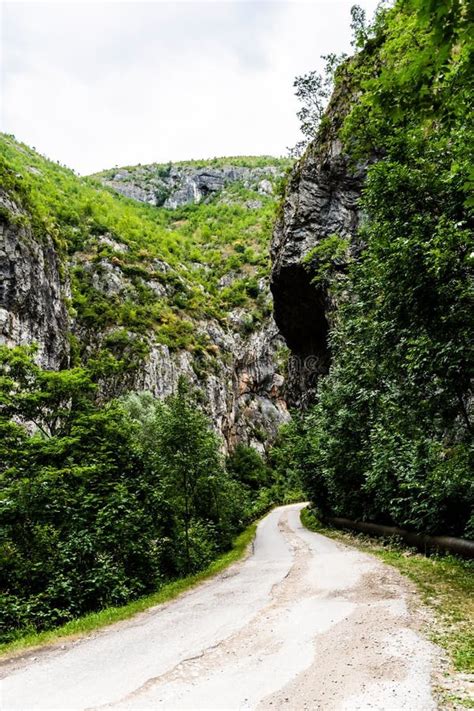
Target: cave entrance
300, 310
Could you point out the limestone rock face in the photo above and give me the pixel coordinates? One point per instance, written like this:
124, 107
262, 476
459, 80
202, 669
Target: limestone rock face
184, 184
243, 393
32, 291
321, 199
241, 386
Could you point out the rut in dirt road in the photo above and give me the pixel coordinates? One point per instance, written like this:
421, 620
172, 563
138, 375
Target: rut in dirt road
302, 623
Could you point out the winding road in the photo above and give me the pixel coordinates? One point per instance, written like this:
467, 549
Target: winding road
303, 622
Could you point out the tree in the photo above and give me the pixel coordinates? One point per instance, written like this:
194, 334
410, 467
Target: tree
247, 466
359, 26
390, 436
313, 91
46, 399
185, 453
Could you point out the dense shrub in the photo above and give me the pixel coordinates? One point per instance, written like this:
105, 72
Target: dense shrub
247, 466
101, 504
390, 438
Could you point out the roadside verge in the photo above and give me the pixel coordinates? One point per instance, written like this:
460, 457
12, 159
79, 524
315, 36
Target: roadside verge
96, 620
445, 584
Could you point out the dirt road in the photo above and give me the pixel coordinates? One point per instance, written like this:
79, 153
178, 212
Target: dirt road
303, 623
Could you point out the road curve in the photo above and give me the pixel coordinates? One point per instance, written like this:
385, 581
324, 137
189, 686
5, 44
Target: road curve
303, 623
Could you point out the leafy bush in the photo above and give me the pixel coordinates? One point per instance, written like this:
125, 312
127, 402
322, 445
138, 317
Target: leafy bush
247, 466
103, 503
390, 437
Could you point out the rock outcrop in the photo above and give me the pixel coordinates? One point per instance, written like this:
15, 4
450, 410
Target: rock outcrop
33, 291
242, 384
175, 185
243, 394
321, 199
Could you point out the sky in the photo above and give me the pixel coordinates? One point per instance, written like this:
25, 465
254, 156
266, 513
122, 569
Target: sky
100, 84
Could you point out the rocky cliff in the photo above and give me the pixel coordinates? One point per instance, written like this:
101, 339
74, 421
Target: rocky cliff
240, 370
33, 291
174, 185
321, 199
88, 277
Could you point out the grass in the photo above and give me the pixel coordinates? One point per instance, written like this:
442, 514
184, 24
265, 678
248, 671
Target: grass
96, 620
445, 583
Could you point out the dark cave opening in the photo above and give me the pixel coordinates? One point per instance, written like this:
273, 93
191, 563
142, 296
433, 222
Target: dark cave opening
299, 309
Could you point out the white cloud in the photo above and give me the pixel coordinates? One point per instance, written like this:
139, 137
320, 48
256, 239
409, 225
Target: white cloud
105, 83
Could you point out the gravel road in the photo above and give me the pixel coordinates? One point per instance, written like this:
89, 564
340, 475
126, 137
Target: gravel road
302, 623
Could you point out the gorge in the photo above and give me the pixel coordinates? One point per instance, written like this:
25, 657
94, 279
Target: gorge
184, 346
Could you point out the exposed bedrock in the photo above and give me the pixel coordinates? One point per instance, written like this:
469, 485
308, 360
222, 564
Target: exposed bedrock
186, 184
321, 199
33, 292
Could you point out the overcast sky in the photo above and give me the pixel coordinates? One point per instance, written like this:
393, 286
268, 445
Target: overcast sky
98, 84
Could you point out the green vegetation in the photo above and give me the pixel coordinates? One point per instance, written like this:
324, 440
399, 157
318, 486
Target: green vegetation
108, 508
108, 499
168, 264
265, 480
390, 436
102, 504
446, 584
326, 257
110, 615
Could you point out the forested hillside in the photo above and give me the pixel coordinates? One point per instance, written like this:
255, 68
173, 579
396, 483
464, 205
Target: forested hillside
186, 251
384, 259
143, 293
107, 495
